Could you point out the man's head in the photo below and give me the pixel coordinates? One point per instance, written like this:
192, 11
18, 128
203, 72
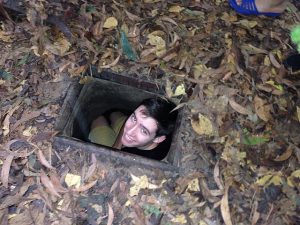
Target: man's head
149, 124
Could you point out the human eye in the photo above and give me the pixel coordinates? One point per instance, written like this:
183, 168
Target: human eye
144, 131
133, 117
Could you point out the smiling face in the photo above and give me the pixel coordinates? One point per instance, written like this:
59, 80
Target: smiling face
140, 131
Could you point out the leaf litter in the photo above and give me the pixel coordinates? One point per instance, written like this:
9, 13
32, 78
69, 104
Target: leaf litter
241, 121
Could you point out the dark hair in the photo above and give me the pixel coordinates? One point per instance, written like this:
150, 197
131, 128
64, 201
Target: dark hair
160, 109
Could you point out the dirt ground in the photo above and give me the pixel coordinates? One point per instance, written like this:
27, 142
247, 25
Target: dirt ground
240, 137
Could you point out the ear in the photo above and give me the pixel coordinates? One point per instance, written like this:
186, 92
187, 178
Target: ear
159, 139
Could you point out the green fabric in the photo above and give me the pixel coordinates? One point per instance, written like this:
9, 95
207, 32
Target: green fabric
107, 135
295, 36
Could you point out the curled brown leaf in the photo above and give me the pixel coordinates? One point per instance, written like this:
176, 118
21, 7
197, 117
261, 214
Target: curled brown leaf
110, 215
238, 108
225, 207
49, 185
5, 170
86, 186
43, 160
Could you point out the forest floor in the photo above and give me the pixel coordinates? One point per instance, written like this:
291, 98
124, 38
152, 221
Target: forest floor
240, 130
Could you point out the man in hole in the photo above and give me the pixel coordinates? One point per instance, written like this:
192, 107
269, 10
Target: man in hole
145, 132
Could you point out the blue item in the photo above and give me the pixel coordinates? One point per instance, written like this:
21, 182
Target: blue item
248, 7
127, 48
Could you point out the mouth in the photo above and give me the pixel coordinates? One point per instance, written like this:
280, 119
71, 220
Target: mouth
128, 138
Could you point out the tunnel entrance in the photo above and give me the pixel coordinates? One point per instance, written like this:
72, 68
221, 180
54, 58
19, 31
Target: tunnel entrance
103, 93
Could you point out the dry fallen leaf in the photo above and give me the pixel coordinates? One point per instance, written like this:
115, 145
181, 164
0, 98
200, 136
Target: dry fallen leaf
111, 64
176, 9
56, 182
193, 185
43, 160
202, 125
290, 179
110, 22
225, 211
6, 122
179, 219
5, 170
274, 61
240, 109
262, 109
110, 215
5, 36
180, 90
248, 23
217, 177
269, 179
28, 217
30, 131
91, 168
140, 183
59, 47
49, 185
86, 186
73, 180
158, 42
287, 154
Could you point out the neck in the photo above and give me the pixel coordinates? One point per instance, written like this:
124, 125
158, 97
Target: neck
150, 146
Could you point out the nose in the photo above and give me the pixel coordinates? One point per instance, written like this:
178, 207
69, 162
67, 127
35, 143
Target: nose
132, 130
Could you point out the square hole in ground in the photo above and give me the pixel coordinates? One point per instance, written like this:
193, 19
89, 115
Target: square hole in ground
108, 92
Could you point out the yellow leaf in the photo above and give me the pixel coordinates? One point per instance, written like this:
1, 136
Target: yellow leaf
276, 180
203, 125
290, 179
140, 183
285, 155
30, 131
1, 162
199, 70
279, 54
262, 181
298, 113
73, 180
128, 203
158, 42
10, 216
229, 18
270, 179
296, 173
143, 182
202, 222
110, 22
277, 86
228, 41
176, 9
248, 23
267, 61
59, 47
180, 90
193, 185
179, 219
5, 37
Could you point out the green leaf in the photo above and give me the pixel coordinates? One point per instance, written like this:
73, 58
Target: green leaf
90, 8
152, 209
254, 140
5, 75
127, 48
24, 60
